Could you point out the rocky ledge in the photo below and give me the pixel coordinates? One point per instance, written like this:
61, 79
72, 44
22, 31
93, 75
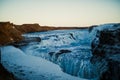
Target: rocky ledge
106, 53
5, 75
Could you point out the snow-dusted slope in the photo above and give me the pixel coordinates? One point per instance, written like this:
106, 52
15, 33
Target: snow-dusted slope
26, 67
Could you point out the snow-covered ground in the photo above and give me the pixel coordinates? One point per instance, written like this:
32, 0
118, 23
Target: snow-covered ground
27, 67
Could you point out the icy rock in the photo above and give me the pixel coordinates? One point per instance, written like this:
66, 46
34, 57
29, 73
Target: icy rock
106, 52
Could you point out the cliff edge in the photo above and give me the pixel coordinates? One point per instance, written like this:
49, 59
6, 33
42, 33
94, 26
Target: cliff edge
106, 52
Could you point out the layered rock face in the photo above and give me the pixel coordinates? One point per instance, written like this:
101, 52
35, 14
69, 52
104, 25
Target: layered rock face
8, 33
106, 53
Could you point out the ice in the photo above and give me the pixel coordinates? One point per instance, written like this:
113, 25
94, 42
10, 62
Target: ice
26, 67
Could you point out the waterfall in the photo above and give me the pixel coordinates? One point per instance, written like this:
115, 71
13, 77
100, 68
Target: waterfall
87, 70
77, 61
78, 64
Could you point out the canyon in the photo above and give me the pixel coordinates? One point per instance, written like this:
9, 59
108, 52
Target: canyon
90, 53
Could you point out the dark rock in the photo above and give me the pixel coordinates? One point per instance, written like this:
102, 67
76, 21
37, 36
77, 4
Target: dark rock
5, 75
51, 53
72, 36
110, 37
31, 39
112, 72
26, 41
106, 53
64, 51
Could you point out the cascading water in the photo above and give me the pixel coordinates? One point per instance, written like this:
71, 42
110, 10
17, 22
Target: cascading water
69, 49
78, 64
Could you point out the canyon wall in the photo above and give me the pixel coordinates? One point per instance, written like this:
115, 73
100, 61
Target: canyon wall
8, 33
106, 52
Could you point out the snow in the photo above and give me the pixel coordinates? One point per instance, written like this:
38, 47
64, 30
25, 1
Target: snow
27, 67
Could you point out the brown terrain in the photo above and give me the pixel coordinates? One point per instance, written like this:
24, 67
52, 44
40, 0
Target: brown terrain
10, 32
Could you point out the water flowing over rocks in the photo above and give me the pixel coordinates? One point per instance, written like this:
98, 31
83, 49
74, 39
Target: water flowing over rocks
10, 33
70, 49
91, 53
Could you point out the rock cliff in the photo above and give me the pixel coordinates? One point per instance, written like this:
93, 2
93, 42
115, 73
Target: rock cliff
9, 33
106, 52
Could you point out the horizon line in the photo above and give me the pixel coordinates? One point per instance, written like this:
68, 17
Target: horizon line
61, 26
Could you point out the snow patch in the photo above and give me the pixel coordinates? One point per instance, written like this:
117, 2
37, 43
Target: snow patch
27, 67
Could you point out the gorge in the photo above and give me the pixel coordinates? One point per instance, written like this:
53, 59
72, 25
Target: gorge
91, 53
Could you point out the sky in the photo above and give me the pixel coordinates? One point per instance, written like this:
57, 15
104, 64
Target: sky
60, 12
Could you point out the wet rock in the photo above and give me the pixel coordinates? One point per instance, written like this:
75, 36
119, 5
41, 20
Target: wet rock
5, 75
51, 53
64, 51
72, 36
26, 41
106, 53
112, 72
110, 37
